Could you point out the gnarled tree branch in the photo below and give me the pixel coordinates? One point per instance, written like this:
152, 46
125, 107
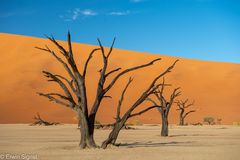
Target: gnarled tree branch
143, 111
121, 100
88, 60
51, 98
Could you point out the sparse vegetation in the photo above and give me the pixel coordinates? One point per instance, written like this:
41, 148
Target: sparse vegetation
236, 123
209, 120
97, 122
135, 122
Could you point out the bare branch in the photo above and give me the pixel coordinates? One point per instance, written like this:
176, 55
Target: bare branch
70, 46
67, 55
37, 117
189, 113
184, 102
179, 104
52, 39
101, 47
112, 71
60, 96
111, 48
143, 111
61, 84
101, 81
88, 60
107, 96
160, 97
175, 94
44, 49
162, 74
51, 98
153, 102
159, 93
70, 83
162, 87
59, 60
121, 99
190, 104
126, 71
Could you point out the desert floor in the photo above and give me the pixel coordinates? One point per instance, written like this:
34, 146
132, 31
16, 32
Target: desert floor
61, 142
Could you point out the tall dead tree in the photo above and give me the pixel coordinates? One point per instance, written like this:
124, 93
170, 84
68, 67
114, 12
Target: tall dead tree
121, 120
182, 105
164, 105
75, 89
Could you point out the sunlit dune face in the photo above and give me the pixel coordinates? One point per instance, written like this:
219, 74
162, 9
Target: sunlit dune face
213, 86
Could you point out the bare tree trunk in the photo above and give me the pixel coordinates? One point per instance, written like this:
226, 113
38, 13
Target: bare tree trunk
83, 141
120, 124
86, 140
181, 121
164, 131
113, 135
91, 121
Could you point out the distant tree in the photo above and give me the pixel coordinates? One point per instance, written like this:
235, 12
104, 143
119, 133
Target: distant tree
75, 88
164, 105
182, 105
209, 120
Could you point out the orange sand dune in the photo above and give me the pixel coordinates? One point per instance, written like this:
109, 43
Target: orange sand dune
214, 86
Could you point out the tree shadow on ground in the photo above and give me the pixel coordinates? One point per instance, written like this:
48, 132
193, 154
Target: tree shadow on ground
151, 144
183, 135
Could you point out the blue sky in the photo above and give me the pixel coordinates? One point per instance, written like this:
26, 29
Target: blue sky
197, 29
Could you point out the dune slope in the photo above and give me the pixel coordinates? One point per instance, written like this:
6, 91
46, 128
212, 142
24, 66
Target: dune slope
214, 86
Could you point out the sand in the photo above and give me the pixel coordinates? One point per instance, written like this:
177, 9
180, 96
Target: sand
184, 143
213, 85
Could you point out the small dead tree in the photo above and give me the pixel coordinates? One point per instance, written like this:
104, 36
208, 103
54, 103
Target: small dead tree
182, 105
164, 105
41, 122
121, 120
75, 89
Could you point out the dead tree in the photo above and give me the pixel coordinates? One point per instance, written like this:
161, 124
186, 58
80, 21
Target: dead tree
164, 105
182, 105
75, 89
121, 120
40, 121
